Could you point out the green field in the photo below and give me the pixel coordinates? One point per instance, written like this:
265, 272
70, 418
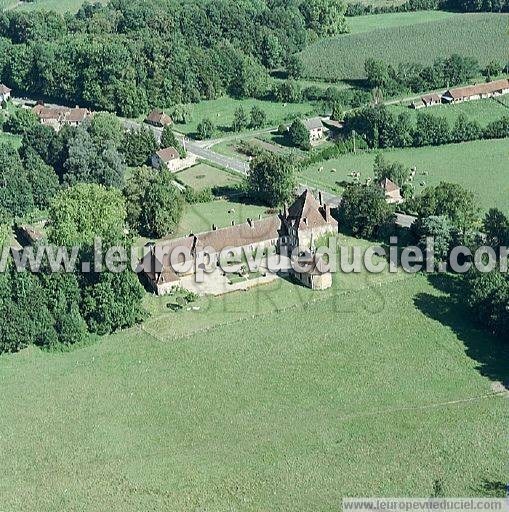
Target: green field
203, 176
221, 112
480, 166
363, 390
53, 5
482, 36
360, 24
200, 217
483, 111
15, 140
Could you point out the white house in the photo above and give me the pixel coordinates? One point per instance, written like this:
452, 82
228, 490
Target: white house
5, 93
170, 158
392, 191
315, 127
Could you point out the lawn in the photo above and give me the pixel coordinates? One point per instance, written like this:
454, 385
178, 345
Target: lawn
60, 6
8, 138
203, 176
482, 36
221, 112
484, 111
360, 24
345, 394
480, 166
200, 217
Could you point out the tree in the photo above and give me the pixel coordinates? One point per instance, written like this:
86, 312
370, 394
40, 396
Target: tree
258, 117
162, 206
496, 228
138, 146
465, 130
488, 298
337, 112
205, 129
452, 201
106, 127
42, 178
239, 119
431, 130
364, 210
395, 171
15, 192
325, 17
20, 121
272, 179
181, 114
377, 72
294, 67
441, 230
83, 212
271, 50
287, 92
299, 135
113, 302
169, 140
493, 69
134, 191
44, 141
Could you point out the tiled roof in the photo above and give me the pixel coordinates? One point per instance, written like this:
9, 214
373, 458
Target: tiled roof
168, 154
473, 90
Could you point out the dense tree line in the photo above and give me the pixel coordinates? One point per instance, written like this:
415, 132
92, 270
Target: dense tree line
127, 56
381, 128
360, 8
416, 77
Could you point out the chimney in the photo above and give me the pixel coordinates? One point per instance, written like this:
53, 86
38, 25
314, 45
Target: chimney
214, 227
320, 198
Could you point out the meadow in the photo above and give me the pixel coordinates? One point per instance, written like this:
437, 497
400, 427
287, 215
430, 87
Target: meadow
203, 176
271, 399
483, 111
360, 24
221, 112
480, 166
481, 36
60, 6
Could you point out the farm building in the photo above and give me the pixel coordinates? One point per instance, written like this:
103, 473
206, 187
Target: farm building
296, 228
57, 117
392, 191
5, 93
158, 118
427, 101
170, 158
476, 92
315, 127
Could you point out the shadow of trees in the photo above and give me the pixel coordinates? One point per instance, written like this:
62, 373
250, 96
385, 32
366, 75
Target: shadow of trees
491, 352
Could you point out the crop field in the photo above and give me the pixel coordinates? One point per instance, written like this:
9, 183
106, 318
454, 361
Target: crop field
480, 166
360, 24
221, 112
275, 411
53, 5
203, 176
482, 36
483, 111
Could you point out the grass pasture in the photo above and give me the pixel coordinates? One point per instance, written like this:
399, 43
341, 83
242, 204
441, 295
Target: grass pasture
203, 176
200, 217
480, 166
8, 138
272, 412
482, 36
483, 111
361, 24
221, 112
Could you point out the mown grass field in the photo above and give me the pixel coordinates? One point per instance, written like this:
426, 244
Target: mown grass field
480, 166
53, 5
365, 390
360, 24
8, 138
203, 176
482, 36
483, 111
221, 112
